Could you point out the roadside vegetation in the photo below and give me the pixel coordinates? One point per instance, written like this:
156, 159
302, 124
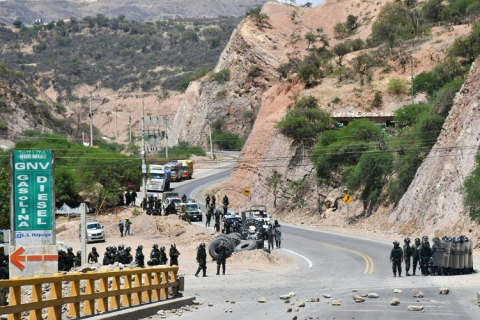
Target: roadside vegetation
381, 164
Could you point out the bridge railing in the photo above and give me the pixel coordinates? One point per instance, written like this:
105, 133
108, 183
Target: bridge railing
140, 285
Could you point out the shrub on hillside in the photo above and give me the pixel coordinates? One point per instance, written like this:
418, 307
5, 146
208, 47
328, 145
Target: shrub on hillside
397, 86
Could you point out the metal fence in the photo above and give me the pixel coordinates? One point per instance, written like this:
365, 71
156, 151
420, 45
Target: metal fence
140, 285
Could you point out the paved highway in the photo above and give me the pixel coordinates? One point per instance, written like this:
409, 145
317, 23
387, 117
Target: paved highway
328, 263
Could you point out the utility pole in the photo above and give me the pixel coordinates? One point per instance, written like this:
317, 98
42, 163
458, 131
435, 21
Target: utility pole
144, 165
411, 70
130, 124
91, 122
83, 232
115, 124
210, 134
166, 136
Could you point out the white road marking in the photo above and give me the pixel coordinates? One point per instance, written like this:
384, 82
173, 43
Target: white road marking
337, 234
310, 264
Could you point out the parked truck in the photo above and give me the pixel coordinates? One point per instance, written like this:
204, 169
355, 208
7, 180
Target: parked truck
176, 170
159, 180
187, 166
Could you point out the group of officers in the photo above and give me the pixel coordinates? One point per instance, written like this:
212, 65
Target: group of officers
447, 256
121, 254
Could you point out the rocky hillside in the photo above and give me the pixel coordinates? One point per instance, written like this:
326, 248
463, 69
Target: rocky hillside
28, 11
261, 45
434, 201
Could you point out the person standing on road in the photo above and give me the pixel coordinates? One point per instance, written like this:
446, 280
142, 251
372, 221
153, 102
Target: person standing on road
225, 204
93, 256
70, 258
133, 197
128, 198
221, 251
139, 257
407, 255
207, 201
155, 255
209, 217
127, 227
396, 258
278, 234
425, 257
120, 227
78, 259
202, 260
416, 254
270, 235
163, 256
184, 198
174, 253
214, 200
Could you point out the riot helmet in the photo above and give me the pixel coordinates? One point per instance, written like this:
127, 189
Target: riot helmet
162, 248
396, 243
79, 253
155, 246
94, 249
406, 240
417, 240
140, 247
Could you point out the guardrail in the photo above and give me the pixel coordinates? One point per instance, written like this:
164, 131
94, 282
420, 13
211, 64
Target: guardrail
149, 285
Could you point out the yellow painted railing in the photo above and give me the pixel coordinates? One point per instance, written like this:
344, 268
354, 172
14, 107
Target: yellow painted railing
149, 285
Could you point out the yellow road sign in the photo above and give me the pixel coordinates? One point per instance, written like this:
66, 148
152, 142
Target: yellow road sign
347, 198
246, 191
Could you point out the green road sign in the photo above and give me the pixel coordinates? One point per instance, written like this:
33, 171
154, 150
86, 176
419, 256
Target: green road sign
33, 197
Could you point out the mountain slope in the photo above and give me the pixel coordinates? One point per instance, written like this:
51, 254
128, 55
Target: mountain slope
52, 10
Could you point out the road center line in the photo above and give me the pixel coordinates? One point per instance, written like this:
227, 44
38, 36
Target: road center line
368, 260
310, 264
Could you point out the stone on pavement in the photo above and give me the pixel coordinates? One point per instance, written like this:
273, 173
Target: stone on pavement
326, 295
397, 291
262, 300
417, 293
444, 291
357, 298
373, 295
395, 302
336, 302
415, 308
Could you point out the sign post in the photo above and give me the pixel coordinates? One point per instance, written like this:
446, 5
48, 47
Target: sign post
347, 199
32, 214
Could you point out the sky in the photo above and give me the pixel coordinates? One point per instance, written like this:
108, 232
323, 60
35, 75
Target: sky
315, 2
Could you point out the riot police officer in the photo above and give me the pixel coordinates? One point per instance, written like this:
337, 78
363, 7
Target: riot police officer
128, 255
163, 256
425, 257
202, 260
70, 258
222, 253
154, 256
93, 256
396, 258
416, 254
174, 253
407, 255
139, 257
78, 259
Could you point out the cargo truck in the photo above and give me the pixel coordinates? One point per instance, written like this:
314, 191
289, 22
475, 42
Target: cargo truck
176, 170
159, 179
187, 166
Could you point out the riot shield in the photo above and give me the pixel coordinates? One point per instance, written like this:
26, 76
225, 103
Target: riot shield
447, 254
455, 255
470, 257
461, 258
438, 249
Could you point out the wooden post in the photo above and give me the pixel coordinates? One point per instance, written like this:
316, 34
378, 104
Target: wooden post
156, 294
15, 299
115, 300
164, 291
147, 295
74, 308
36, 297
55, 313
103, 302
137, 283
127, 284
89, 305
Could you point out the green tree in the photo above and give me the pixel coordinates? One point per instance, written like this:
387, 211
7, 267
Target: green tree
310, 37
471, 190
65, 185
371, 175
340, 50
397, 86
273, 182
17, 24
4, 198
352, 22
408, 115
468, 46
309, 74
433, 10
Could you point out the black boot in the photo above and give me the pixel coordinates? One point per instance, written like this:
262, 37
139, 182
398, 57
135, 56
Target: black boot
279, 244
218, 270
223, 270
394, 274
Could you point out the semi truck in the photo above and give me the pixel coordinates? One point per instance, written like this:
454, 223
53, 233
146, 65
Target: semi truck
187, 166
159, 180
